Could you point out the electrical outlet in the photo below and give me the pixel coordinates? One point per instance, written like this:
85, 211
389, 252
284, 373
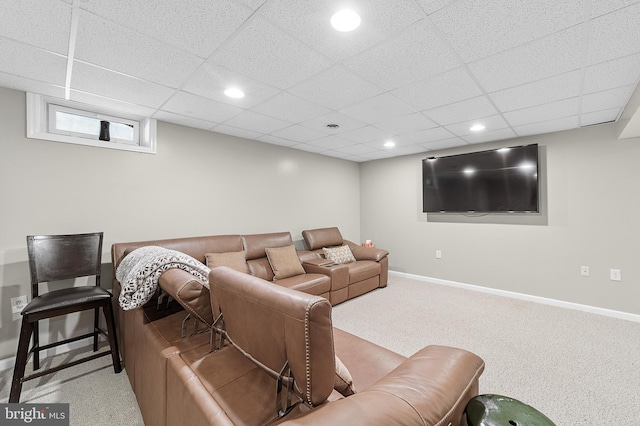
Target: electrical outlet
615, 274
18, 304
584, 271
438, 254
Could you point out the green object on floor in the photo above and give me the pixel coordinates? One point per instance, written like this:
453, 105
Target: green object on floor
498, 410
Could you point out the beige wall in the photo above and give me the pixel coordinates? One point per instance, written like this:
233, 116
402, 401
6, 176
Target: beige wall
199, 183
590, 218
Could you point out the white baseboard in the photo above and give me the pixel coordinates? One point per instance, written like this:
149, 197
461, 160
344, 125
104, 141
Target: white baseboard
546, 301
8, 363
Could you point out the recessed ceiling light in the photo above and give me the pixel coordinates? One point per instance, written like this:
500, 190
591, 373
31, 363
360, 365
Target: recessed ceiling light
234, 92
476, 127
389, 144
345, 20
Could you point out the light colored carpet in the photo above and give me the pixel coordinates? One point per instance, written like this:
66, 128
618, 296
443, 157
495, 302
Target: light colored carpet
576, 367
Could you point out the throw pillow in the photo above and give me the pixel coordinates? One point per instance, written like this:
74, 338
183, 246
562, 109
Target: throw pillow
339, 255
233, 259
284, 262
344, 381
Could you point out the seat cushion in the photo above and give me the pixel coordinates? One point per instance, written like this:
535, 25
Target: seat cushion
66, 298
362, 270
317, 284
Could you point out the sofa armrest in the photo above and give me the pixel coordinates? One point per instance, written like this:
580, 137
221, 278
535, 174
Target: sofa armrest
190, 292
366, 253
432, 387
339, 274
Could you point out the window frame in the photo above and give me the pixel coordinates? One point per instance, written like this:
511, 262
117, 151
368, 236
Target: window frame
41, 111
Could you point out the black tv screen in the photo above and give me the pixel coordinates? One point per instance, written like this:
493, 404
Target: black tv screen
502, 180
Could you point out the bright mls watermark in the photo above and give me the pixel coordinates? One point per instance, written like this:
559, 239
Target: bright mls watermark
35, 414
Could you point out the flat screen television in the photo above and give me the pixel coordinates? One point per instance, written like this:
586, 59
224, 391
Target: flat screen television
502, 180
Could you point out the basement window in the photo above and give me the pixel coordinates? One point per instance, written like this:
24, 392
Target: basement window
64, 121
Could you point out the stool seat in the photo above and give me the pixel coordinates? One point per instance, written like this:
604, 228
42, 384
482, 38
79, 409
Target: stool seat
64, 298
498, 410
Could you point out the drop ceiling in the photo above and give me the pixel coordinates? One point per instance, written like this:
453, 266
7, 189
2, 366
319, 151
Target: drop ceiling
419, 73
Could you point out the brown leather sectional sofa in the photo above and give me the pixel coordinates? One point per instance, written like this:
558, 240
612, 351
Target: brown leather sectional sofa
277, 336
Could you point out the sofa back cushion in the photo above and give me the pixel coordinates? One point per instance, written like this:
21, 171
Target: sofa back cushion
275, 325
195, 247
322, 237
255, 244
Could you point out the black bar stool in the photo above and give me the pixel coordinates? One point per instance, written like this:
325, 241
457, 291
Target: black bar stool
56, 258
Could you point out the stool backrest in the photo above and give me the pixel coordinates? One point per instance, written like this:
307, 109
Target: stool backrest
62, 257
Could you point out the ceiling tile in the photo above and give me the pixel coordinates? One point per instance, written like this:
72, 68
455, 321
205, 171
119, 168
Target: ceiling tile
365, 134
601, 7
400, 76
542, 58
187, 28
298, 133
310, 148
32, 63
464, 111
491, 123
414, 54
270, 55
358, 149
477, 28
611, 74
114, 47
409, 123
102, 82
444, 144
442, 89
345, 122
210, 81
556, 125
613, 98
28, 85
182, 120
598, 117
378, 109
378, 155
115, 106
235, 131
614, 35
309, 20
539, 92
257, 122
495, 135
19, 19
408, 150
289, 107
253, 4
331, 142
186, 104
431, 6
336, 88
274, 140
425, 136
341, 155
545, 112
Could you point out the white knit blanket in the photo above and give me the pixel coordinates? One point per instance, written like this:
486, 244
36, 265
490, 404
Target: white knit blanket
139, 271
